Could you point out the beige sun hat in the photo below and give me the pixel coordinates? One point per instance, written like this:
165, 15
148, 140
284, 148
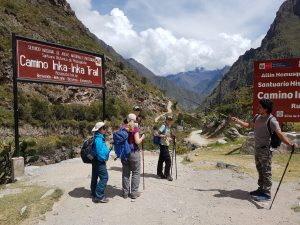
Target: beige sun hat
97, 126
130, 117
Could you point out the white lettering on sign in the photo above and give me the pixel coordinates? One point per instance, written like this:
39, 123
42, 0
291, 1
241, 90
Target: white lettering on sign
77, 69
295, 106
32, 63
92, 71
276, 95
273, 84
60, 67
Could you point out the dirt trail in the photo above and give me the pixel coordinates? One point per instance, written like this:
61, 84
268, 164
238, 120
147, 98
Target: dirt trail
169, 108
196, 138
196, 197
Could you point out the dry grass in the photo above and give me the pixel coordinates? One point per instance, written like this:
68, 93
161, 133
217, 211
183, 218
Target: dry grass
207, 158
29, 196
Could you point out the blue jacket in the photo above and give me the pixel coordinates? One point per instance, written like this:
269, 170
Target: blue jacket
100, 149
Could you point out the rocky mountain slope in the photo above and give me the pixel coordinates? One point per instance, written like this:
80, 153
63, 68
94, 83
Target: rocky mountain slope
200, 81
54, 21
281, 41
170, 88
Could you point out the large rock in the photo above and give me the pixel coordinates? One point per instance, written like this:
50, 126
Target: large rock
248, 146
232, 133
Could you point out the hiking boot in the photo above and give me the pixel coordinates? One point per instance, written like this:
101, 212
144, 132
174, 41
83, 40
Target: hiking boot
125, 195
262, 198
135, 195
103, 200
256, 192
169, 178
161, 176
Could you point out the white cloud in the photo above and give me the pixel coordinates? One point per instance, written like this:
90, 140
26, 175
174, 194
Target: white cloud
158, 48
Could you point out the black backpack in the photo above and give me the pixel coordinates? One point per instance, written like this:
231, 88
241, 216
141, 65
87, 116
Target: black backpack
86, 150
275, 140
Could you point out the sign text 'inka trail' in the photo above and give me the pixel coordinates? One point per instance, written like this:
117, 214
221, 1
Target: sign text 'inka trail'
279, 80
42, 62
45, 62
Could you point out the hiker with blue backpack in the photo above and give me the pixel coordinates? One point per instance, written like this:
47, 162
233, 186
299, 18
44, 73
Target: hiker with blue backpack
164, 136
132, 162
265, 128
100, 153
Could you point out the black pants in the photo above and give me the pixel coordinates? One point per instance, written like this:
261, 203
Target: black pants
164, 156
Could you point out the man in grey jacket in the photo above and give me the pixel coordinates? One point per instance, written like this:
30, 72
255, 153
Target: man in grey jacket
263, 155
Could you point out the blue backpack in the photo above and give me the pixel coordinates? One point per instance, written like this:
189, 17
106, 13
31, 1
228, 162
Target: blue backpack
157, 139
121, 146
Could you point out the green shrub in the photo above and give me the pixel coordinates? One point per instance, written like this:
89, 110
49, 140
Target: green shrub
25, 112
68, 141
46, 145
6, 118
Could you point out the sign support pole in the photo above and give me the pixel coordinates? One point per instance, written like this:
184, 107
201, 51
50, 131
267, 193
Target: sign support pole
103, 104
103, 90
15, 90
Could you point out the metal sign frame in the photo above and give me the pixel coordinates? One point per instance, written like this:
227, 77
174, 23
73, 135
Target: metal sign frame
16, 79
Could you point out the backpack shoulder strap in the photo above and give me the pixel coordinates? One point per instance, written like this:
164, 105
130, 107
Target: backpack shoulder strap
165, 130
269, 126
255, 117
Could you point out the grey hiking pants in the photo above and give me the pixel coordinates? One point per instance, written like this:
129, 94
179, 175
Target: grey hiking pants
131, 165
263, 162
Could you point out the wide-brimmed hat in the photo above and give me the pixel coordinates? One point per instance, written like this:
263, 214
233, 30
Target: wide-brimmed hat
131, 116
98, 125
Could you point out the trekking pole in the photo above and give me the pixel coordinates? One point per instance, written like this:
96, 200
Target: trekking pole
172, 162
174, 146
293, 149
143, 166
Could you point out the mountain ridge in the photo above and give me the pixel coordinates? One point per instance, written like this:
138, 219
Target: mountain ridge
199, 80
182, 96
281, 41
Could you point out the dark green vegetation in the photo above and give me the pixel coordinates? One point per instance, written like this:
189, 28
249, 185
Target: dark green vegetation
39, 112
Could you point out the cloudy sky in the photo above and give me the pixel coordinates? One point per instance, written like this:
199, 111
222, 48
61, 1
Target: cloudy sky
171, 36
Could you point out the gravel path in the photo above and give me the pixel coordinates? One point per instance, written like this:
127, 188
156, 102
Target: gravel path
196, 138
196, 197
169, 108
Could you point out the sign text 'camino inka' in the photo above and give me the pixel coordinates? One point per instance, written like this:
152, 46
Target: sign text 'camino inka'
279, 80
42, 62
45, 62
